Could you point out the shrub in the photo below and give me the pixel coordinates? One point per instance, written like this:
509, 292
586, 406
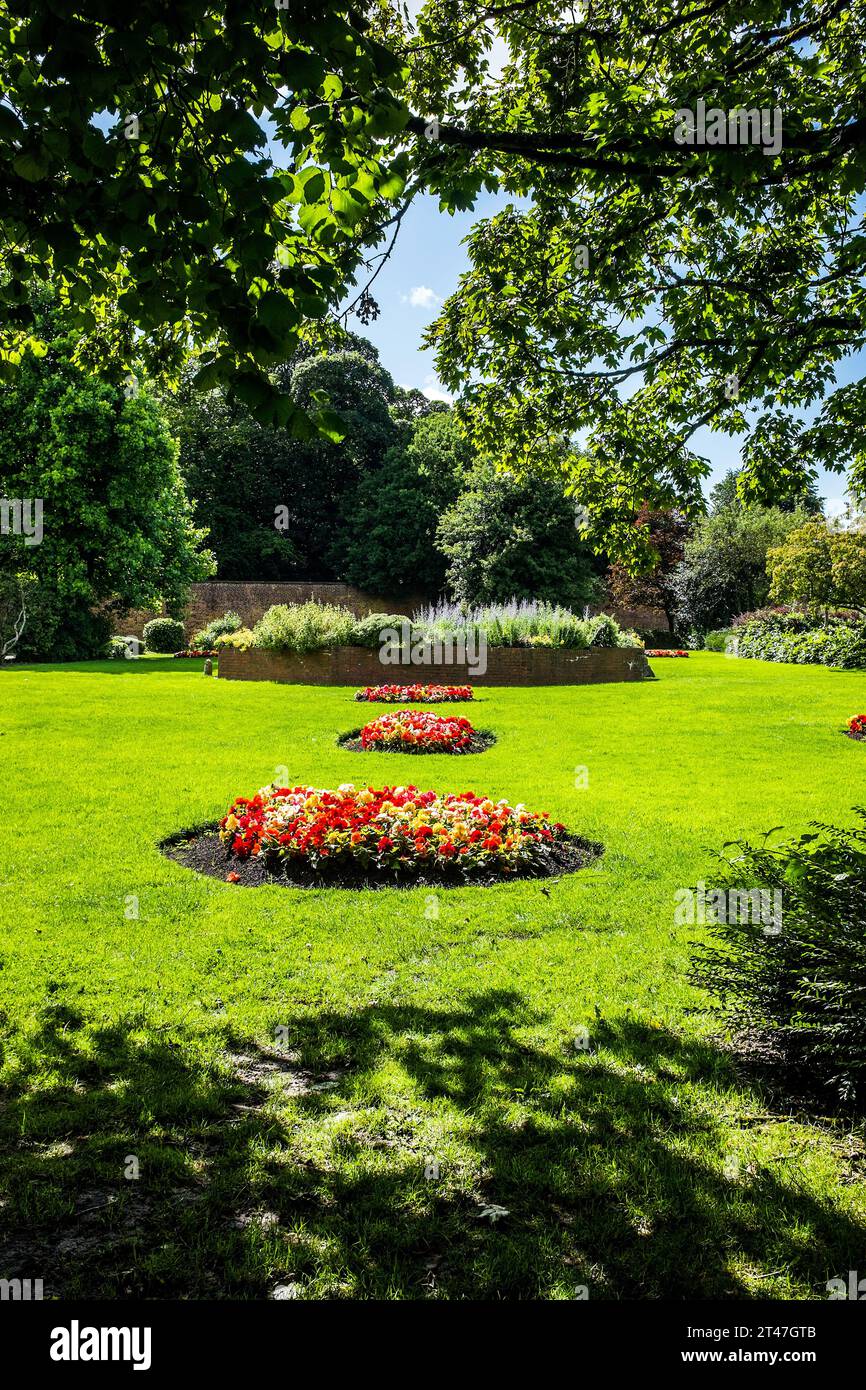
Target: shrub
367, 631
804, 987
118, 648
789, 637
243, 639
304, 627
163, 635
521, 623
311, 626
217, 627
717, 641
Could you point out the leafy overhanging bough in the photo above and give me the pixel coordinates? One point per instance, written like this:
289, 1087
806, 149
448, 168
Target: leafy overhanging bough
652, 288
702, 265
135, 166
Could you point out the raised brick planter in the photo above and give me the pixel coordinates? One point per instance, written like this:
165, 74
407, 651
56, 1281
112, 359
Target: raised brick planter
359, 666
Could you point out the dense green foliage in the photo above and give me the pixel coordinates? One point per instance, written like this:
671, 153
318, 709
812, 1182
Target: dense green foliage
391, 518
653, 585
802, 982
163, 635
786, 635
206, 637
135, 163
645, 284
730, 491
117, 526
306, 627
720, 283
820, 567
510, 535
724, 566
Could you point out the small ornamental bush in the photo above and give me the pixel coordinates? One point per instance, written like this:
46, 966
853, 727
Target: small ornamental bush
367, 632
414, 731
857, 726
242, 640
717, 641
417, 694
121, 647
217, 627
802, 987
304, 627
163, 635
400, 829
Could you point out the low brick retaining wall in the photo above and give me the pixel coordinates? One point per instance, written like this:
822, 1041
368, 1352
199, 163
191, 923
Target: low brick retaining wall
359, 666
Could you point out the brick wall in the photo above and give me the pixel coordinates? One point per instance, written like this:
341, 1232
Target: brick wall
644, 619
359, 666
250, 599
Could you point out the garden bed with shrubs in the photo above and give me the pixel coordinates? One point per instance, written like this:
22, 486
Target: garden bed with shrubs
416, 731
512, 644
835, 638
363, 837
309, 627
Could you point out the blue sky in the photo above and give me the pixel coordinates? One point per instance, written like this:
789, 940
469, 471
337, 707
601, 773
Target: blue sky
423, 271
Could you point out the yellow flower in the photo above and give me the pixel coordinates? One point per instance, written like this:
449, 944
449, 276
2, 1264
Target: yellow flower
231, 822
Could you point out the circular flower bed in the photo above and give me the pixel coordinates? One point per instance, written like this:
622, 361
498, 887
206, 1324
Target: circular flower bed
304, 835
857, 726
197, 652
415, 694
417, 731
665, 651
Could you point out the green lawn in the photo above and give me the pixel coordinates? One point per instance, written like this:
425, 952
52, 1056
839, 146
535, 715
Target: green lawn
417, 1027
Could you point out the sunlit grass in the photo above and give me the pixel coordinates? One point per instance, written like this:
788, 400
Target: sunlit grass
420, 1029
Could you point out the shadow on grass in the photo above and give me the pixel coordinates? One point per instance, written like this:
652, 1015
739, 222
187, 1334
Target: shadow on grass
289, 1168
147, 666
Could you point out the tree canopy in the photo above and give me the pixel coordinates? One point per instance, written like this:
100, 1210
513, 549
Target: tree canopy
116, 530
640, 286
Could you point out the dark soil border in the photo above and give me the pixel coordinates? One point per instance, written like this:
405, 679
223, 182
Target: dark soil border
481, 740
858, 738
201, 850
428, 704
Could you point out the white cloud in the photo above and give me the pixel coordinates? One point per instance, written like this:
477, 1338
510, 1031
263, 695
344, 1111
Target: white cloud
433, 390
422, 297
